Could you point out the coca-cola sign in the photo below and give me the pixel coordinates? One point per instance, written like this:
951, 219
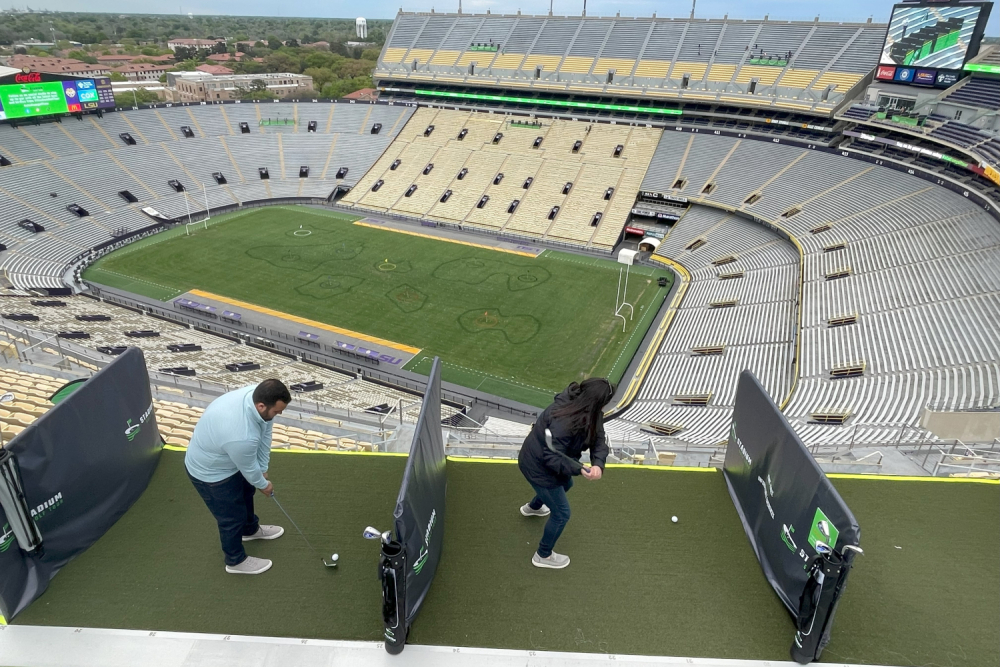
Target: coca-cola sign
30, 77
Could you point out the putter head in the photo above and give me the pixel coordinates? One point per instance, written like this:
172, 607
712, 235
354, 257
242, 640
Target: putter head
329, 563
854, 548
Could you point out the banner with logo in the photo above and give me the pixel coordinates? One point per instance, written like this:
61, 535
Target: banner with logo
420, 506
789, 510
82, 464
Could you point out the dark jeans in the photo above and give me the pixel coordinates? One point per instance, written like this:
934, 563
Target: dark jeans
558, 504
231, 503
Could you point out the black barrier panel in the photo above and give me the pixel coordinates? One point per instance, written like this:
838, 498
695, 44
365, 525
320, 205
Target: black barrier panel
788, 507
82, 464
420, 507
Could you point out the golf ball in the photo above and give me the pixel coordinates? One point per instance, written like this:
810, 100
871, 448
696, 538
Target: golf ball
335, 557
673, 518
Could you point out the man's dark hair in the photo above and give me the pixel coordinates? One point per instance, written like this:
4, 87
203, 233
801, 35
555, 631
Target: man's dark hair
270, 392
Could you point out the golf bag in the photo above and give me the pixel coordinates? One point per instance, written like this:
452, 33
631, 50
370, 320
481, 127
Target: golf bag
15, 506
827, 579
392, 572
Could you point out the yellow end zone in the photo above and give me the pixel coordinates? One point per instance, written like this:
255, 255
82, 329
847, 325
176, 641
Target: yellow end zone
446, 240
309, 323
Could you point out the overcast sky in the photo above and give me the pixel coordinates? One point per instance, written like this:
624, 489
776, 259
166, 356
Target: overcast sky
828, 10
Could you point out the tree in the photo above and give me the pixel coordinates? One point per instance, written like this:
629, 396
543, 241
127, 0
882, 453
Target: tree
184, 53
82, 56
282, 62
292, 43
141, 96
320, 76
118, 76
220, 47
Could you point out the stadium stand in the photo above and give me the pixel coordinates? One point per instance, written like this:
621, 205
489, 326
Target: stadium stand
796, 65
590, 168
751, 318
40, 182
977, 92
340, 391
899, 284
175, 420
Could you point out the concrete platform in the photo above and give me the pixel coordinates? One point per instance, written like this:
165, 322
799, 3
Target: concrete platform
41, 646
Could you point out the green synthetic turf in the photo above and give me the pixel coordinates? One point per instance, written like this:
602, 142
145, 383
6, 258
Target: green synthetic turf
506, 324
637, 583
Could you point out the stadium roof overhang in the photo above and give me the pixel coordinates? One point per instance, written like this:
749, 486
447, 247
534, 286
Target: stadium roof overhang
619, 109
779, 100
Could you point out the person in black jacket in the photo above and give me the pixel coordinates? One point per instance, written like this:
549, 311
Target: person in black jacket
573, 423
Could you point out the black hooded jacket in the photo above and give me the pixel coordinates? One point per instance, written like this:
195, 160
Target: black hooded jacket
545, 468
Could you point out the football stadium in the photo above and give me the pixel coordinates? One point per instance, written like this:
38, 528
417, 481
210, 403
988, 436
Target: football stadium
773, 244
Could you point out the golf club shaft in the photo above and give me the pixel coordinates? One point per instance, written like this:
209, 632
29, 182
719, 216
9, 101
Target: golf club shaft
573, 462
296, 526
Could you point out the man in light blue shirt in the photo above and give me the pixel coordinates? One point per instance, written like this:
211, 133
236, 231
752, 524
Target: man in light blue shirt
227, 461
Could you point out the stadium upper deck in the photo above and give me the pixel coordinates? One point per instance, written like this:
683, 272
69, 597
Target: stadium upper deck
801, 66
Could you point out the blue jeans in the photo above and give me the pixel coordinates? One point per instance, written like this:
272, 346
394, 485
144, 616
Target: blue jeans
231, 503
558, 504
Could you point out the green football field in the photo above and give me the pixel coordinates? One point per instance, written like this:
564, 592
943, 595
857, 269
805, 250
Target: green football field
507, 324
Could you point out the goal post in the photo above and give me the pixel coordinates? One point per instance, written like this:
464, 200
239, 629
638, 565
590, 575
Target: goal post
626, 257
189, 225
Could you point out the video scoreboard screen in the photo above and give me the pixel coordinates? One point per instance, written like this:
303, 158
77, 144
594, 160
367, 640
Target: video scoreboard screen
927, 44
33, 94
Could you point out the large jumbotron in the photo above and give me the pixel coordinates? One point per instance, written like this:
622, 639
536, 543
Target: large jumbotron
778, 241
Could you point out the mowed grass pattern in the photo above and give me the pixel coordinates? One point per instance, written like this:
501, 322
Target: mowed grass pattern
516, 326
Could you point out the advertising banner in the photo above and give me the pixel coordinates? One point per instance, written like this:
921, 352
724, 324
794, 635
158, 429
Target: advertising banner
420, 506
81, 466
803, 534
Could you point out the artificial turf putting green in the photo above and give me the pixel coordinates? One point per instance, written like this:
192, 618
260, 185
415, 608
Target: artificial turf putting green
515, 326
637, 584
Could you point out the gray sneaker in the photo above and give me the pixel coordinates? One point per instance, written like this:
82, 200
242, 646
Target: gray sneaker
542, 511
553, 562
250, 566
265, 533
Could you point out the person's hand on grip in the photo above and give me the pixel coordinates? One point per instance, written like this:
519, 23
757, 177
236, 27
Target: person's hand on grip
591, 472
268, 490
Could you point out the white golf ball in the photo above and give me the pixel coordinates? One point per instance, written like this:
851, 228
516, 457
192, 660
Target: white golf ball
335, 557
674, 519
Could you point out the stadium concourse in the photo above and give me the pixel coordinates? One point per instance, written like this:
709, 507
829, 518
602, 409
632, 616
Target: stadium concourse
841, 245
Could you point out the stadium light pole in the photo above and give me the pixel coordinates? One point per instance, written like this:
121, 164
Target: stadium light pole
187, 204
208, 211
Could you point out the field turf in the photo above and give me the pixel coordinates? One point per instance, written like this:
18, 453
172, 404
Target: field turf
507, 324
926, 592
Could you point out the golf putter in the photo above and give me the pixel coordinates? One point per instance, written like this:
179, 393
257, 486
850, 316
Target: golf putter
326, 562
573, 462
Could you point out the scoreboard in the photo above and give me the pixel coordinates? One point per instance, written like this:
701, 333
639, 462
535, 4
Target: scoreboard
929, 43
33, 94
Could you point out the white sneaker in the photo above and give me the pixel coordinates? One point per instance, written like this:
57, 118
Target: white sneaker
265, 533
553, 562
250, 566
542, 511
